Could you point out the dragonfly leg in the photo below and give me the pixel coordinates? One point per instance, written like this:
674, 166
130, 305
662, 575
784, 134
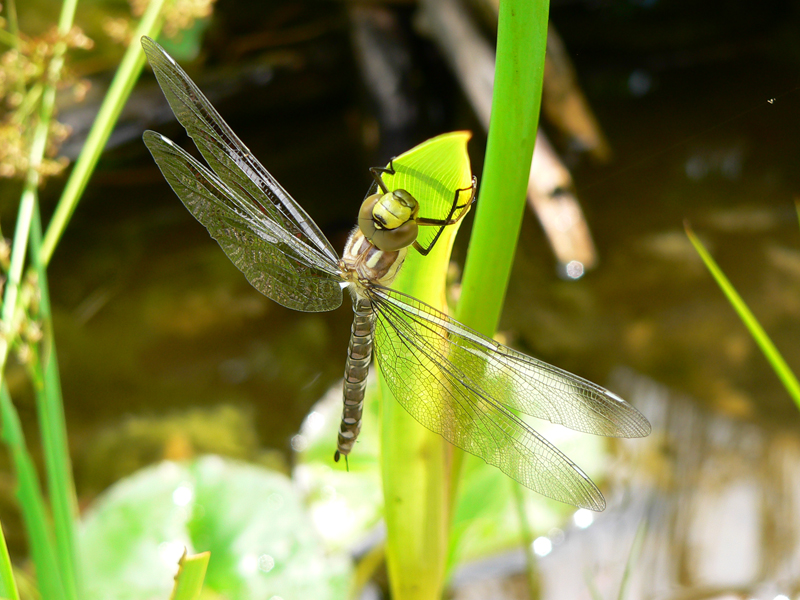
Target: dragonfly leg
376, 173
337, 455
450, 220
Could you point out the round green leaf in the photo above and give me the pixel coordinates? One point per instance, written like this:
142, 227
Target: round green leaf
252, 520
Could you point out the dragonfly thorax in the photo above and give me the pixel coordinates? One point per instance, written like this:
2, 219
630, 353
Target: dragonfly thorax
363, 263
389, 220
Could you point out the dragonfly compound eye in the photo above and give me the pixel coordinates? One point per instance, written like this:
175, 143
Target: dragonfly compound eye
395, 209
389, 220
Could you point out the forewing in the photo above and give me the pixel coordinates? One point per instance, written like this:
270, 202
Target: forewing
228, 157
276, 262
441, 384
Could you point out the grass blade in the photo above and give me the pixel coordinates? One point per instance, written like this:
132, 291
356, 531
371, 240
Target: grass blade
633, 556
14, 276
124, 80
48, 389
31, 501
8, 588
53, 427
761, 338
57, 579
191, 573
32, 177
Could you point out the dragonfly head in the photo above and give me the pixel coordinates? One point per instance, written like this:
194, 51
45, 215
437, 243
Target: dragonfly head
389, 220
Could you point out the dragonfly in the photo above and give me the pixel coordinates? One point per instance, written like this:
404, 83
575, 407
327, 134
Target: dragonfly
453, 380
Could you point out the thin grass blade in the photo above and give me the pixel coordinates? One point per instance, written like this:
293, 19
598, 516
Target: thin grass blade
31, 501
191, 573
633, 556
53, 427
760, 336
116, 97
8, 587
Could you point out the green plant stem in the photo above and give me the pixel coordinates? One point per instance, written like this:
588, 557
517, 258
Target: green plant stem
11, 293
516, 102
53, 427
414, 460
65, 21
365, 570
32, 179
31, 502
760, 336
124, 80
13, 22
9, 38
30, 100
8, 588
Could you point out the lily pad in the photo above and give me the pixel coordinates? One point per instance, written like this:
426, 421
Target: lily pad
251, 519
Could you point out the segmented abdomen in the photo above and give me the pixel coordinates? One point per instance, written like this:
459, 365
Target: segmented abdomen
356, 369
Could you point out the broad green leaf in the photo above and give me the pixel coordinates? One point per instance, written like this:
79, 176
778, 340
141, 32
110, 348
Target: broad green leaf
250, 519
413, 459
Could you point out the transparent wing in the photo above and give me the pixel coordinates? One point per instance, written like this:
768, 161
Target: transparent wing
466, 387
228, 157
276, 262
